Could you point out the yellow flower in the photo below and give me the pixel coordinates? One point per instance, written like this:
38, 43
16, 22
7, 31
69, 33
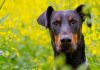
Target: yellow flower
94, 51
2, 26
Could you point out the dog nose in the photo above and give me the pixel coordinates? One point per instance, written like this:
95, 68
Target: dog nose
66, 40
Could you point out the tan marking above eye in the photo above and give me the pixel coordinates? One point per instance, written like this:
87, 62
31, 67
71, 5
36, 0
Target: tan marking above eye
58, 19
70, 18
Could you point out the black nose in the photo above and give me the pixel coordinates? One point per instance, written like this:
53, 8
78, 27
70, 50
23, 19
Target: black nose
66, 40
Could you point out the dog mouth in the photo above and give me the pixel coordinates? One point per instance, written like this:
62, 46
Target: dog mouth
66, 47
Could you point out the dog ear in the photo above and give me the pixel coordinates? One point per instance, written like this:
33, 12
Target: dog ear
84, 12
44, 18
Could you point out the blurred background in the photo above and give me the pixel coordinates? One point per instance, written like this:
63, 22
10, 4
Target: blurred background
25, 45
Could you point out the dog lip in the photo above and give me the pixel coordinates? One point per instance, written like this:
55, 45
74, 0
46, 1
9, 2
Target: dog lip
67, 48
65, 44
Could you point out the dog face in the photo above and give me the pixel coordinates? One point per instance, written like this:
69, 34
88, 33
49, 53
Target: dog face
65, 26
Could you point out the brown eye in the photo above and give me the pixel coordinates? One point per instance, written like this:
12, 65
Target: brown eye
73, 21
56, 23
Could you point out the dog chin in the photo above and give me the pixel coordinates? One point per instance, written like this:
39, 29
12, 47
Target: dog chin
66, 49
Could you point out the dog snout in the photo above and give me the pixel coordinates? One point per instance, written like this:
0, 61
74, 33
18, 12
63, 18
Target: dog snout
66, 39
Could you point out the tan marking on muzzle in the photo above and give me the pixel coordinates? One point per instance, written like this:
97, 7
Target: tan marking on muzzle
57, 42
74, 40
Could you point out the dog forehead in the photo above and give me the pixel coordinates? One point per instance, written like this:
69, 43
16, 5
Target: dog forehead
62, 13
65, 13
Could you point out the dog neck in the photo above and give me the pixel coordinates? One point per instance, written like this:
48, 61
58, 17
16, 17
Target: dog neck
77, 57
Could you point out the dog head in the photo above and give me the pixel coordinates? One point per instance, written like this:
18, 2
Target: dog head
65, 26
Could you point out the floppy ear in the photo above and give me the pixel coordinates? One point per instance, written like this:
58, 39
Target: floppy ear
84, 12
44, 18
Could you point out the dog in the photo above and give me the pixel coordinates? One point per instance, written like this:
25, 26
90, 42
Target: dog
65, 29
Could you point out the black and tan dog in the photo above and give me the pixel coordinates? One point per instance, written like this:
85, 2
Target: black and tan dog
66, 33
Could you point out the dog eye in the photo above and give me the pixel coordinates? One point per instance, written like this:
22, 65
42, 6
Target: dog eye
56, 23
73, 22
